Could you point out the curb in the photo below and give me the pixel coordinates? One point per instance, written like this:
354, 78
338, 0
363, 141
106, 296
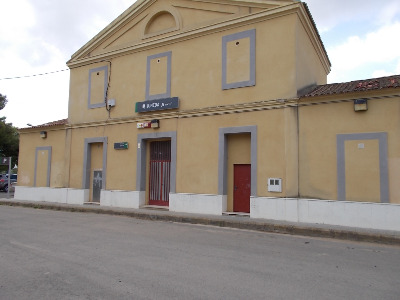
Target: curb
255, 225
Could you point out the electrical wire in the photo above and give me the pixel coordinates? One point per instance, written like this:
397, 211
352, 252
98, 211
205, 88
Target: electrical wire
34, 75
108, 108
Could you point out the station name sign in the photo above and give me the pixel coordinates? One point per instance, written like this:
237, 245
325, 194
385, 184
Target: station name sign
158, 104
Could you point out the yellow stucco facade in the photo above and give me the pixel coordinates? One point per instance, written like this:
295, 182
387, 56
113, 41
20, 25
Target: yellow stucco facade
223, 89
319, 126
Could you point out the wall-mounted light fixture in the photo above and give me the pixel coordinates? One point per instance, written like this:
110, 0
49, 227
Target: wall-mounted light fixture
360, 105
155, 123
43, 134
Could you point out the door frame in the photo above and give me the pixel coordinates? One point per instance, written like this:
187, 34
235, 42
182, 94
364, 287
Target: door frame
87, 157
142, 140
223, 157
48, 149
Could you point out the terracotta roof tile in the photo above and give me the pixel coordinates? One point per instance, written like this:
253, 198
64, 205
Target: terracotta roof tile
53, 123
354, 86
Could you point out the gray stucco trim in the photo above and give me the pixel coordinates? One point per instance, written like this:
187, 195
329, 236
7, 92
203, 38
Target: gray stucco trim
167, 94
87, 161
223, 157
95, 70
47, 148
225, 40
141, 158
383, 162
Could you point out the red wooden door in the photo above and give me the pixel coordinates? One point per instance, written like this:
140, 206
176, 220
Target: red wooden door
160, 170
241, 188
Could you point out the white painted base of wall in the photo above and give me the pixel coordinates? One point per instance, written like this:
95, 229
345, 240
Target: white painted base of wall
128, 199
46, 194
383, 216
77, 196
198, 203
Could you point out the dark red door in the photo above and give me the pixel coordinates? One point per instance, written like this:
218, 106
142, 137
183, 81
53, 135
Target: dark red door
241, 188
160, 170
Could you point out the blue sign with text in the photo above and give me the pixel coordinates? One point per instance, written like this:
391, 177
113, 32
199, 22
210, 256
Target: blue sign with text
158, 104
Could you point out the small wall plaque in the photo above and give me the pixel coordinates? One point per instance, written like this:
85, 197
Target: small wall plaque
121, 146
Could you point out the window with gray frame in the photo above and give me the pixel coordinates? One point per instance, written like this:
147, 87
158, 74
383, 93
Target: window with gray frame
158, 76
98, 82
239, 60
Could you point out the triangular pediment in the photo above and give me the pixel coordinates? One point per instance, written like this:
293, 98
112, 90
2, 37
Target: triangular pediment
149, 20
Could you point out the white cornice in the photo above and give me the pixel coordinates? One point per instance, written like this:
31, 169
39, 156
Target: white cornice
314, 38
193, 113
249, 3
182, 36
134, 10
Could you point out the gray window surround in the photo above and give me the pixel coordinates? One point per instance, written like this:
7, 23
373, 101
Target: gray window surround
223, 157
95, 70
383, 162
87, 161
141, 158
48, 148
167, 94
237, 36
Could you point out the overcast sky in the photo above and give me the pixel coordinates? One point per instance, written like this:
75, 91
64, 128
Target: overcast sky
39, 36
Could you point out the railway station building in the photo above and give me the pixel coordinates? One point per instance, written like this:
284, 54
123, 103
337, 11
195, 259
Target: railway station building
219, 107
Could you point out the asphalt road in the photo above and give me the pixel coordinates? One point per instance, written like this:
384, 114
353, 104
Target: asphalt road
63, 255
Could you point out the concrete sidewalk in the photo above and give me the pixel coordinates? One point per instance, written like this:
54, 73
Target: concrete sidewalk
231, 221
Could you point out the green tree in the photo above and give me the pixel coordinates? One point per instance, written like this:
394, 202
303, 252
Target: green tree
9, 138
3, 101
